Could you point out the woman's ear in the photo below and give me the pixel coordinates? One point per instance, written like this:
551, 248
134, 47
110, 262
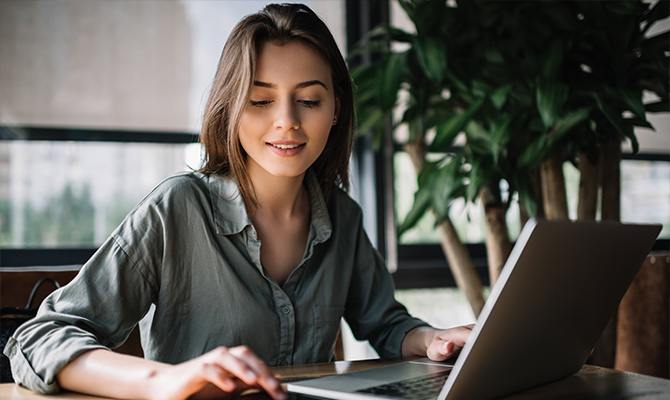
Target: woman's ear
336, 117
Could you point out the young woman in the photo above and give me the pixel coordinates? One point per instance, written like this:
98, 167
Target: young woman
251, 261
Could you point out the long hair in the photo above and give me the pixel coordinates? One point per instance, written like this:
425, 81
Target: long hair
229, 96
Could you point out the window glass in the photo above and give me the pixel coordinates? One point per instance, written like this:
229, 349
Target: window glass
645, 198
73, 194
466, 217
117, 66
645, 188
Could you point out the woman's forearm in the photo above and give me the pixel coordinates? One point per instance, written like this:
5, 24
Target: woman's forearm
105, 373
220, 372
417, 340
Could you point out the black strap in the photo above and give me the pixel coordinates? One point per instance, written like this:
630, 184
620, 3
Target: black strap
37, 286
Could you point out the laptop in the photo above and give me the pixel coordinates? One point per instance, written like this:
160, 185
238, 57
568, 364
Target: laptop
558, 290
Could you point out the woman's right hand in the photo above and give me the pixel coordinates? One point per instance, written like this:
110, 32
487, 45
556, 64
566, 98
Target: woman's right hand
222, 371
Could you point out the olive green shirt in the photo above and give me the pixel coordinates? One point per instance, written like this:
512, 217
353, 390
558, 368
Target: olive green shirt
186, 265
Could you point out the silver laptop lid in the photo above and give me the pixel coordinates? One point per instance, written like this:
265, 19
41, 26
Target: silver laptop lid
559, 288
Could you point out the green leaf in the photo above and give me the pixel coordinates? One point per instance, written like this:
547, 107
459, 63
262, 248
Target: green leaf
383, 32
533, 154
370, 119
656, 43
419, 208
480, 88
567, 123
456, 81
620, 125
446, 184
659, 106
478, 177
431, 54
409, 7
658, 12
524, 188
447, 131
446, 134
551, 96
553, 59
500, 136
478, 138
640, 122
499, 96
389, 80
633, 100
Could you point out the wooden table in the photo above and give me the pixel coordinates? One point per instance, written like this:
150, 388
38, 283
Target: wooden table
589, 383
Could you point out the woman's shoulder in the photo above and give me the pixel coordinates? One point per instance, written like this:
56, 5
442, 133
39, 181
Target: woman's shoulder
178, 189
343, 206
181, 184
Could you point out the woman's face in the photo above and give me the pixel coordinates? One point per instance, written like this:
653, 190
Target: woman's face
286, 123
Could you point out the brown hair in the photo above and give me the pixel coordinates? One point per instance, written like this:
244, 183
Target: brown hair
278, 23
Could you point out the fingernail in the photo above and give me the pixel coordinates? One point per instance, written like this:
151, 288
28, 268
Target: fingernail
273, 382
444, 347
251, 375
229, 383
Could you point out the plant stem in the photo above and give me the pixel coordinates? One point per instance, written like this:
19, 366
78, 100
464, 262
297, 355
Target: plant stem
498, 244
553, 188
457, 254
611, 180
461, 265
589, 183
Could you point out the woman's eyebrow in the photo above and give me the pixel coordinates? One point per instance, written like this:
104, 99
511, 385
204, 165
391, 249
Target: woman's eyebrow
311, 83
300, 85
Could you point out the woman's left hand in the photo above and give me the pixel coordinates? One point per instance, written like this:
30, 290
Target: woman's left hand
447, 343
437, 344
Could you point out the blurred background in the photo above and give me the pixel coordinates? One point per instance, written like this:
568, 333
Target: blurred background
101, 100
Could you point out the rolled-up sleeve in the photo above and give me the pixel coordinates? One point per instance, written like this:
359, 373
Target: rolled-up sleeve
97, 310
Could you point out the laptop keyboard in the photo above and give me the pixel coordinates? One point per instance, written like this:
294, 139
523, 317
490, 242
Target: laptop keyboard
421, 388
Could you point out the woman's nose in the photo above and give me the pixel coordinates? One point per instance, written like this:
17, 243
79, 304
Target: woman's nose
286, 118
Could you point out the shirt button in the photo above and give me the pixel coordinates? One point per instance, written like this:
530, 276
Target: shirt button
286, 310
283, 363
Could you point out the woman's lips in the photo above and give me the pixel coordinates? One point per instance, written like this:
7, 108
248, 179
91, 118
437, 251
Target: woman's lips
286, 149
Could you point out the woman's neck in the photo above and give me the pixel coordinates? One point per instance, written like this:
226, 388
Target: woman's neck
281, 221
280, 198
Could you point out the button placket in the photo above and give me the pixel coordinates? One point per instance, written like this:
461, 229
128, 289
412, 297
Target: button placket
286, 314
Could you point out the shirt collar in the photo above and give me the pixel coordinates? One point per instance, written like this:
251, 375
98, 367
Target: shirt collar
231, 216
230, 212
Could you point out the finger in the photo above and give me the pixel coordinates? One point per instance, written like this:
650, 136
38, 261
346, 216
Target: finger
439, 350
233, 364
219, 377
457, 335
255, 364
447, 348
250, 369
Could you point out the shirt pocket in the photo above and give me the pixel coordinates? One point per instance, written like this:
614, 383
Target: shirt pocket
326, 327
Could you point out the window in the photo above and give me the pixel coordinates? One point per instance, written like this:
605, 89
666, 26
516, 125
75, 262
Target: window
73, 193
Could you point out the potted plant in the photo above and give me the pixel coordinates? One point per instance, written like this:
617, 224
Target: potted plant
529, 85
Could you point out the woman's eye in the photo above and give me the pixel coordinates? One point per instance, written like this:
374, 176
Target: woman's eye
310, 103
260, 103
